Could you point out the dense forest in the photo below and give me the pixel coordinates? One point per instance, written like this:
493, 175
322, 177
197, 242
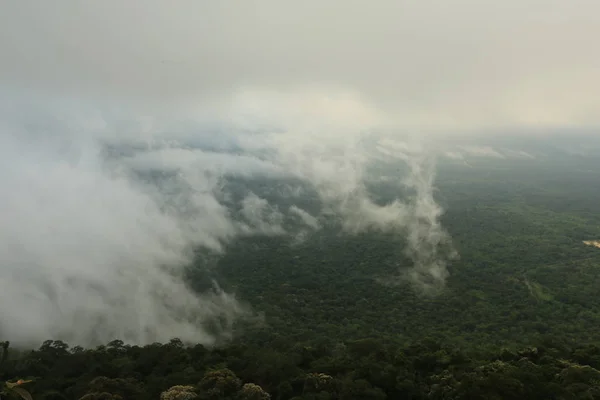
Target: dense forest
517, 319
319, 368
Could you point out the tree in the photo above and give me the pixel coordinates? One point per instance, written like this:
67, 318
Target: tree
12, 388
179, 392
219, 384
251, 391
101, 388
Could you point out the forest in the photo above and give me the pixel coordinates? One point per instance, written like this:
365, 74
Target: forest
518, 317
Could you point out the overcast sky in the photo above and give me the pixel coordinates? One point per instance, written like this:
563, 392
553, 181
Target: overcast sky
467, 64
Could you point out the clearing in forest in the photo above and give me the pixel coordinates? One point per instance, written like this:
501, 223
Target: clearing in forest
595, 243
539, 292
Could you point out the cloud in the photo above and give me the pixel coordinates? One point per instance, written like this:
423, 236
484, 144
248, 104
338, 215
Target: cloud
510, 153
218, 163
429, 245
481, 151
262, 216
468, 152
121, 127
104, 209
86, 252
465, 65
306, 218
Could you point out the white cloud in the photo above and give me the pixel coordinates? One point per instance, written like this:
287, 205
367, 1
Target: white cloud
481, 151
83, 252
262, 217
306, 218
84, 233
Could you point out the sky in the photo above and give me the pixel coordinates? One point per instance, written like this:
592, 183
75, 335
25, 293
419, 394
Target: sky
427, 65
96, 95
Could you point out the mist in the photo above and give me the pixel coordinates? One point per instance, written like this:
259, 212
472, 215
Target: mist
121, 126
433, 66
98, 229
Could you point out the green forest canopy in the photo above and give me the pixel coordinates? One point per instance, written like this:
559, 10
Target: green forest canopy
518, 317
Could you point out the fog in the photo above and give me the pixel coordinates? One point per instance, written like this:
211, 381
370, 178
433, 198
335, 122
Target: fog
98, 98
104, 211
433, 65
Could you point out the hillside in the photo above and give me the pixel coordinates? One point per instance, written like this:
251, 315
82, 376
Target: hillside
523, 273
329, 317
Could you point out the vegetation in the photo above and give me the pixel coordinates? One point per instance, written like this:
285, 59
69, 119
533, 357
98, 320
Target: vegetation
524, 272
12, 389
518, 318
315, 369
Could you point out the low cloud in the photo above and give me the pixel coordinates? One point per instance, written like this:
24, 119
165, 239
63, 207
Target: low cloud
481, 151
261, 216
306, 218
122, 127
86, 253
95, 222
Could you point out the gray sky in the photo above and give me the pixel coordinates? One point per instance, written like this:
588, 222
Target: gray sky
425, 64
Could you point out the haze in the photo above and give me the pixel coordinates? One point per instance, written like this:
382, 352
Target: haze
432, 64
95, 96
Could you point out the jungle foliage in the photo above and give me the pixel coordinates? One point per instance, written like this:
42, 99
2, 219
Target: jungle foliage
517, 319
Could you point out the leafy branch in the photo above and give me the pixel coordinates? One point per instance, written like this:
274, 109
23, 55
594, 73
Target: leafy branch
12, 388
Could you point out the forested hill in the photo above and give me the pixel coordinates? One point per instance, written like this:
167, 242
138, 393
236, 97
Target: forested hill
524, 271
287, 369
518, 317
